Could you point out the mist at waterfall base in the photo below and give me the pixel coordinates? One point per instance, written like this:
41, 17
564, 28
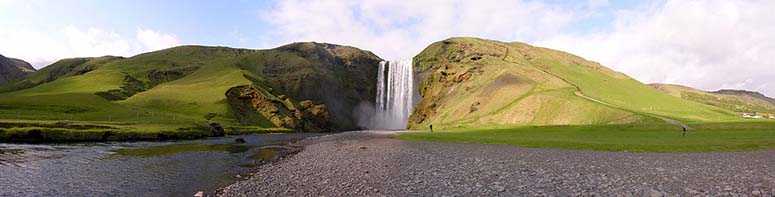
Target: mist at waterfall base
395, 98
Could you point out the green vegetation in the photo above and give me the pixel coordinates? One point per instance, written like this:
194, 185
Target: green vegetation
12, 69
154, 151
484, 91
743, 136
476, 83
161, 93
734, 100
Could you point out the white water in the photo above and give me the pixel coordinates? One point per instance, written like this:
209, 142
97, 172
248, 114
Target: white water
395, 88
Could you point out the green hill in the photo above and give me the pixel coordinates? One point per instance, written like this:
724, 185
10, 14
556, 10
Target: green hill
476, 83
12, 69
734, 100
185, 87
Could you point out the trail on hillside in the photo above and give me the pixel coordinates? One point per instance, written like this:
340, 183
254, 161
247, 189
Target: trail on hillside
668, 120
579, 93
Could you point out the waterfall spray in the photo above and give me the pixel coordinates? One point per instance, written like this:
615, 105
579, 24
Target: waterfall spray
394, 102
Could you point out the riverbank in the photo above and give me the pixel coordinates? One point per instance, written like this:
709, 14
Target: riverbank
368, 163
67, 131
168, 168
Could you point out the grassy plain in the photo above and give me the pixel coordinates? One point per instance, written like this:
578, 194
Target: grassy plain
707, 137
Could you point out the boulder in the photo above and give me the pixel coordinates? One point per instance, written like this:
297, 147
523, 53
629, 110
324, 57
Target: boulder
216, 130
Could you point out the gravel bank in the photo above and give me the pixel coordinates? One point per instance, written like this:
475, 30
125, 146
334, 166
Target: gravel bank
370, 163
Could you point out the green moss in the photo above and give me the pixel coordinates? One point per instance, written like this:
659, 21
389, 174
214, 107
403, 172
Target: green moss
155, 151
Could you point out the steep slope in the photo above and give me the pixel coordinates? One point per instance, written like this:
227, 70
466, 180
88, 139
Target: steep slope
469, 82
12, 69
187, 86
734, 100
59, 69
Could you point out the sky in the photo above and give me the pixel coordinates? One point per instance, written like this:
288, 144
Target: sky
707, 44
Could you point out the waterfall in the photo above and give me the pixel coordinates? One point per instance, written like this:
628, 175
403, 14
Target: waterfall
394, 102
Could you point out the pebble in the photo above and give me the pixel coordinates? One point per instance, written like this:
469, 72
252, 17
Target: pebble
334, 165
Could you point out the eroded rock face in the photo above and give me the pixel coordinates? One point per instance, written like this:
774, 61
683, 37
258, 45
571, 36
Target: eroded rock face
255, 106
340, 77
159, 76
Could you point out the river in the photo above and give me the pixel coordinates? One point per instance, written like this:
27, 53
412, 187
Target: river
179, 168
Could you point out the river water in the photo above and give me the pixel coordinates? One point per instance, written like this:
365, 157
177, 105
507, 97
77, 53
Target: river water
130, 169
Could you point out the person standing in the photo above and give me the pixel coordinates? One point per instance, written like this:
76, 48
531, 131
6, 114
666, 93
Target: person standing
431, 127
684, 133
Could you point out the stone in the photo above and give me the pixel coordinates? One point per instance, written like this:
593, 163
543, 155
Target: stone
216, 130
655, 193
199, 194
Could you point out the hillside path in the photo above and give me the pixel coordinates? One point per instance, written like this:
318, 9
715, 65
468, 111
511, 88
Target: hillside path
371, 163
667, 120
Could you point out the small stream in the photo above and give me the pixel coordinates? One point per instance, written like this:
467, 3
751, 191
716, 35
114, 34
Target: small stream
130, 168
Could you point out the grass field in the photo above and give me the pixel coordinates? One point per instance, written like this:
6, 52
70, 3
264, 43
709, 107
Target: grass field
709, 137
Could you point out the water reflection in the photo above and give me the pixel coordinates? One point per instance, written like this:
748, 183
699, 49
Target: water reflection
137, 169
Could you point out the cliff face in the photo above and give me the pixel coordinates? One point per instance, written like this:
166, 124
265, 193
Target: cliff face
12, 69
340, 77
257, 107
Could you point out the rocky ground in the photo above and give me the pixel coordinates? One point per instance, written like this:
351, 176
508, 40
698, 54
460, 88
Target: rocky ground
370, 163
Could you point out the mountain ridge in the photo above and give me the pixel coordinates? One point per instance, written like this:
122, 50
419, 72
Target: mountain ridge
527, 85
12, 69
186, 86
742, 101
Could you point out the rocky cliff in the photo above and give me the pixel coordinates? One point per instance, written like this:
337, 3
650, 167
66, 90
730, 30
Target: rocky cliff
340, 77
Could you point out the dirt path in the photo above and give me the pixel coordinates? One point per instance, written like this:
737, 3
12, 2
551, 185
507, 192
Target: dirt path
373, 164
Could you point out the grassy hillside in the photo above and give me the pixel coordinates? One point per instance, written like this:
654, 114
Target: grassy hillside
12, 69
476, 83
734, 100
185, 87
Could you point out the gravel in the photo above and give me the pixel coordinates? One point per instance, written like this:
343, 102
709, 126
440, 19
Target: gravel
371, 163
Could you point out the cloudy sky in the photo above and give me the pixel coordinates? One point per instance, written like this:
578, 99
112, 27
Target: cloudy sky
708, 44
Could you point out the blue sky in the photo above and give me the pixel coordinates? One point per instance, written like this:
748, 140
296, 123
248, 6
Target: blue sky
193, 22
228, 23
709, 44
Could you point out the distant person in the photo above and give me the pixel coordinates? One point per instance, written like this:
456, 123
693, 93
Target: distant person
431, 126
684, 133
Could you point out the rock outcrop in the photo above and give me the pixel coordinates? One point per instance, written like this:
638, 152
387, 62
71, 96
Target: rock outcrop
341, 77
252, 106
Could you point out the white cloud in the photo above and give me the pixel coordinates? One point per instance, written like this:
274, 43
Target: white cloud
154, 40
704, 44
397, 29
43, 48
